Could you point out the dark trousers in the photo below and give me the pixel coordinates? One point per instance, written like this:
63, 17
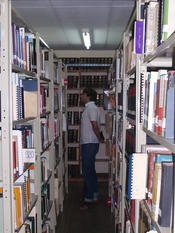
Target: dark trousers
89, 152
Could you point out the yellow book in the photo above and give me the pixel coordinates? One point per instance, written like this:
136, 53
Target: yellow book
18, 205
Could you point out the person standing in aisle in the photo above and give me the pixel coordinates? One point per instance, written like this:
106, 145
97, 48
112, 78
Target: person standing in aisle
89, 139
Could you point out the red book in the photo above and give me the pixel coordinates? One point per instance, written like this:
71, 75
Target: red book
157, 106
150, 175
14, 161
133, 211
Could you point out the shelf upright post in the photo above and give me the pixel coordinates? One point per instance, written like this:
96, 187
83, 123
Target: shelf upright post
37, 140
51, 136
61, 135
6, 111
117, 158
66, 137
140, 135
51, 119
124, 135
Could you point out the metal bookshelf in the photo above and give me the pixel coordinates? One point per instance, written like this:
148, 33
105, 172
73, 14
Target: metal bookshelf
164, 53
7, 181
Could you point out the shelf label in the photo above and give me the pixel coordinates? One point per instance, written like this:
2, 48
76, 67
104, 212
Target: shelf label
28, 155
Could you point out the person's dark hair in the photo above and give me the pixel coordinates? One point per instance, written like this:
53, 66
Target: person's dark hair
91, 93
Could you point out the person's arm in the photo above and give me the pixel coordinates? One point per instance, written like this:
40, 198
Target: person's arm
96, 131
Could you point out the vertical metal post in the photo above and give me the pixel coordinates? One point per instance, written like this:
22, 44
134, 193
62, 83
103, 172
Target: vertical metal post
51, 137
124, 135
140, 135
117, 214
37, 140
66, 138
6, 111
51, 122
61, 134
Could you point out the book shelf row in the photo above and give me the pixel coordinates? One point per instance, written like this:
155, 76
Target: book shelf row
33, 177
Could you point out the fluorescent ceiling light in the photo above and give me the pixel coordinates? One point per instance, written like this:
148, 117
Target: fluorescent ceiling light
86, 39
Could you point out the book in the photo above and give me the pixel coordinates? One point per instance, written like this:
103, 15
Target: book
157, 183
56, 195
152, 79
18, 205
30, 98
171, 17
138, 37
160, 21
137, 182
165, 20
170, 108
151, 27
166, 192
162, 96
151, 163
145, 222
18, 135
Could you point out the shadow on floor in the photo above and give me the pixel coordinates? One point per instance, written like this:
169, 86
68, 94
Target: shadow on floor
97, 219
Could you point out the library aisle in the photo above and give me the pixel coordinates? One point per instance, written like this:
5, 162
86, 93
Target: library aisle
44, 85
96, 219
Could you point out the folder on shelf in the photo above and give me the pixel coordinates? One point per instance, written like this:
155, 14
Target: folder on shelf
137, 176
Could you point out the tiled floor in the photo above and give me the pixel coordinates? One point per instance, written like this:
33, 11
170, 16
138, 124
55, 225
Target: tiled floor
97, 219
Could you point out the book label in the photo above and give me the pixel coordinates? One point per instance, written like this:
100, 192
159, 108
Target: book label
28, 155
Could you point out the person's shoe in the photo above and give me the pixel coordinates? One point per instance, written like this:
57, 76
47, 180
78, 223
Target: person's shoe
95, 200
84, 206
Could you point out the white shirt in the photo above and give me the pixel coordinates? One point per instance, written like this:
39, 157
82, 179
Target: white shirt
91, 113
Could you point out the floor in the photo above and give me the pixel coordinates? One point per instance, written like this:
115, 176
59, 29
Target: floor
97, 219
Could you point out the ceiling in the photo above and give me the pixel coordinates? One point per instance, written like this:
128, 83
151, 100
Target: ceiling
60, 23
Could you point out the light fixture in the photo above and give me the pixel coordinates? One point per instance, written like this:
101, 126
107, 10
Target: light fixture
86, 39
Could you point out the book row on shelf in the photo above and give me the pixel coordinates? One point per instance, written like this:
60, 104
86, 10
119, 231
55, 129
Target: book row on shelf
142, 154
33, 167
87, 60
155, 25
95, 81
75, 101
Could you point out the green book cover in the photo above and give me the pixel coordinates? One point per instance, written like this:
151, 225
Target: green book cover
165, 20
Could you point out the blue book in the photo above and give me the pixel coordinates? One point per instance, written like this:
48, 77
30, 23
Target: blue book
170, 107
163, 158
165, 204
138, 37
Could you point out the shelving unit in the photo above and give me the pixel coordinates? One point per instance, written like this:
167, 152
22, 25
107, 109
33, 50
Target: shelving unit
132, 136
29, 160
84, 72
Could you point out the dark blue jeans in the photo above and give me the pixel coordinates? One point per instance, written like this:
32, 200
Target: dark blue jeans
89, 152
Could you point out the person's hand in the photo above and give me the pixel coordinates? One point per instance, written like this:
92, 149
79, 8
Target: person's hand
102, 140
